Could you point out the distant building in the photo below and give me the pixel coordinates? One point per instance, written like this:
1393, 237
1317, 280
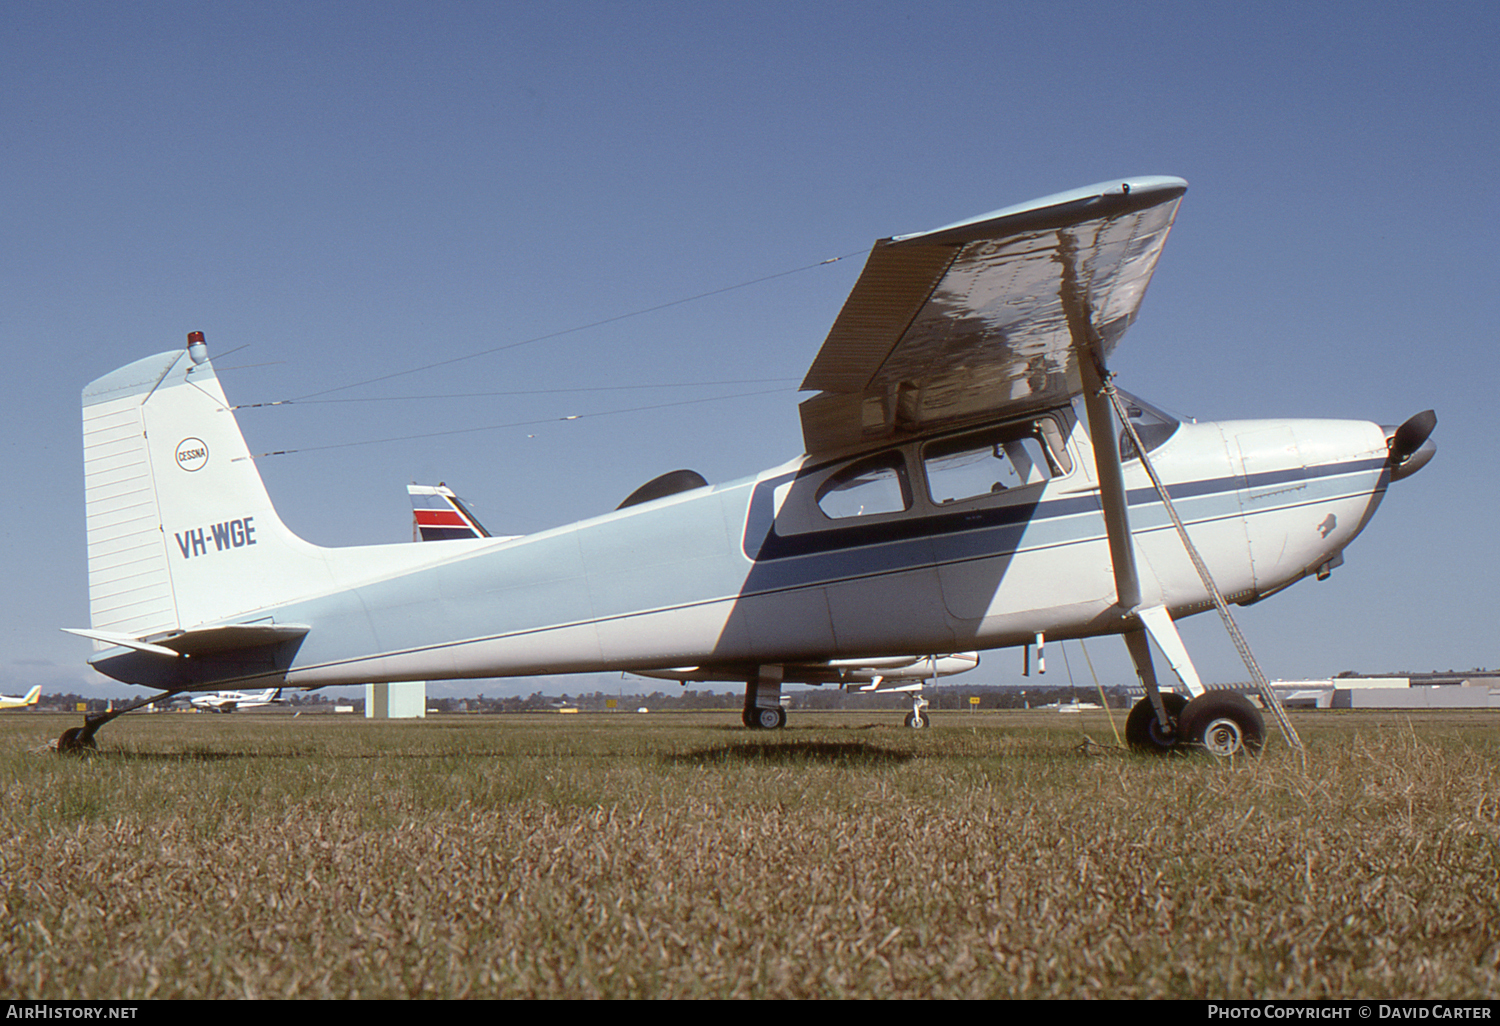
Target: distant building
406, 700
1477, 689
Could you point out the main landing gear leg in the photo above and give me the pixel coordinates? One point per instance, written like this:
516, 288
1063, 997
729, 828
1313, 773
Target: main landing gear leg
1152, 724
763, 709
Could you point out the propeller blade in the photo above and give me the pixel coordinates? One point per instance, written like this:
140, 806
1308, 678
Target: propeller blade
1410, 436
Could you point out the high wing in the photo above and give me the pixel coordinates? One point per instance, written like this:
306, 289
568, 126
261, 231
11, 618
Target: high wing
987, 316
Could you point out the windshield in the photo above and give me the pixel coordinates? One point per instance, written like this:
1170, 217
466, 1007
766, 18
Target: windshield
1153, 425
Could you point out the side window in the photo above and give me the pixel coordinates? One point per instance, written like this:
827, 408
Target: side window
993, 462
873, 486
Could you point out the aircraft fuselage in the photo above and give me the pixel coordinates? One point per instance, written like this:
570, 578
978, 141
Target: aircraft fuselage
882, 553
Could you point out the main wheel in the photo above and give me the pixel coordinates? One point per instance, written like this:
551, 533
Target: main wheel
1224, 723
1142, 731
757, 717
917, 721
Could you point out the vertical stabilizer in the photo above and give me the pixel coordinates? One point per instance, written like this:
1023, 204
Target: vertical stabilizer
439, 515
180, 528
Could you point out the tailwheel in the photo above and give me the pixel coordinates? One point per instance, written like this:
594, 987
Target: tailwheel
77, 740
1143, 731
1223, 722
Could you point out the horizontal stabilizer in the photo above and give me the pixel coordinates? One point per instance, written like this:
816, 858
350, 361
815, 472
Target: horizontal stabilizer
201, 640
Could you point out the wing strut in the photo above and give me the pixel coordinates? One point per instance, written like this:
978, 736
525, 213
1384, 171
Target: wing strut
1097, 391
1111, 485
1096, 403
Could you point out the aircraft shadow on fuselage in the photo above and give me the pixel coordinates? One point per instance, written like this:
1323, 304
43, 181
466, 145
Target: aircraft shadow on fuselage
835, 584
261, 663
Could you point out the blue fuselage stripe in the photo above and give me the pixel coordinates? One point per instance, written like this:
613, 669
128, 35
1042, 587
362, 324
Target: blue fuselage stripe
1002, 526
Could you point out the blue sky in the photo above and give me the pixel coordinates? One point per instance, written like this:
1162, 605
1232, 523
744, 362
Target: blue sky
337, 192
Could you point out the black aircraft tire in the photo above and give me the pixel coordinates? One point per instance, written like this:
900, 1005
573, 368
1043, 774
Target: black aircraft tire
1143, 733
72, 741
756, 718
1224, 723
765, 719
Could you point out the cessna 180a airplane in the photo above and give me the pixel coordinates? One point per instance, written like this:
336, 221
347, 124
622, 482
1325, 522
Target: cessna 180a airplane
972, 479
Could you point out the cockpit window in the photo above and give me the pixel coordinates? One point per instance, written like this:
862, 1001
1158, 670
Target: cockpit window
876, 485
1153, 425
991, 462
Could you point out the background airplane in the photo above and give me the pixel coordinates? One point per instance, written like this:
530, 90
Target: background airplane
233, 701
439, 515
24, 702
972, 479
880, 675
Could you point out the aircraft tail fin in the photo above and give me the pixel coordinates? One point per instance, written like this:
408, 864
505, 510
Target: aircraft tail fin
32, 695
438, 515
180, 529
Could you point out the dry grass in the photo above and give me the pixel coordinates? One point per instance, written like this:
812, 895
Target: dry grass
680, 856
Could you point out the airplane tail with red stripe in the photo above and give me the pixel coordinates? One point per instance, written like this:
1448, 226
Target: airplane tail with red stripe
439, 515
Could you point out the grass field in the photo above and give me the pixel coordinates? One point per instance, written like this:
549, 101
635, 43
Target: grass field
682, 856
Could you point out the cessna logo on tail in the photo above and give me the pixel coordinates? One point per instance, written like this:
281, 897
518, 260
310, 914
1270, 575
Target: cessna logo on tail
192, 454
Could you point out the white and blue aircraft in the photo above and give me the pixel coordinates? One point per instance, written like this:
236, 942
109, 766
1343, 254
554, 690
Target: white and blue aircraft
972, 480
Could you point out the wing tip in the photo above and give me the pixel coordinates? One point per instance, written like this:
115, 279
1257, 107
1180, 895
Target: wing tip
1133, 193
